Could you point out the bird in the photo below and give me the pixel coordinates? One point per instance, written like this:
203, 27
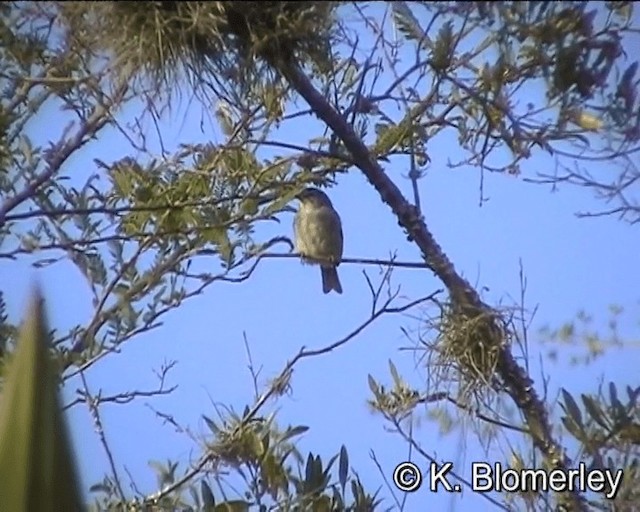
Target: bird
318, 235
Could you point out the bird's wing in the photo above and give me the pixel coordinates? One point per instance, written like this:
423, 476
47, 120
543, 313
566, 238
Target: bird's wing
297, 230
341, 236
333, 219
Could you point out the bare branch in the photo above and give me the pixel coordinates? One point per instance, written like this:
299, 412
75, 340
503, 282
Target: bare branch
127, 396
93, 405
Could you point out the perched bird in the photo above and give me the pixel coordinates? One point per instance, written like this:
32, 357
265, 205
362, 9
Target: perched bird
318, 235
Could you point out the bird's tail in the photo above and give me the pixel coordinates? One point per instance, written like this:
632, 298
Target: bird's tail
330, 280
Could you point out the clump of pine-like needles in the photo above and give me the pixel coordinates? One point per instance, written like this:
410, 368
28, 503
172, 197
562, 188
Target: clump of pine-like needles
220, 41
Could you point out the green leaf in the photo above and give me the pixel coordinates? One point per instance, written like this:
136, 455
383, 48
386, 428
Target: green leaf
208, 499
390, 137
394, 374
279, 204
326, 474
406, 22
594, 410
294, 431
373, 385
310, 468
357, 491
273, 473
572, 408
633, 395
443, 50
232, 506
100, 488
572, 427
37, 470
220, 238
249, 207
619, 410
211, 424
343, 467
123, 182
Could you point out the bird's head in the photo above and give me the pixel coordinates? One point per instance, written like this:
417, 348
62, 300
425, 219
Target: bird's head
314, 197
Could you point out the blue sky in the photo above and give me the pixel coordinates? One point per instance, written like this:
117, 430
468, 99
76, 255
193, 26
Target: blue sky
570, 264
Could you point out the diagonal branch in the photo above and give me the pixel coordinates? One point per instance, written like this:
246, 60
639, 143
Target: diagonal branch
515, 379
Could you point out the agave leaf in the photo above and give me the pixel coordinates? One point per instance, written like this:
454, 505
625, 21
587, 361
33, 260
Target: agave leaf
37, 470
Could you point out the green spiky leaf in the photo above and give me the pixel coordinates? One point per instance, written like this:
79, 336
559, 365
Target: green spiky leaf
37, 470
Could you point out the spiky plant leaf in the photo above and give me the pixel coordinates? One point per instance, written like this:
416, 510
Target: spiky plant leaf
37, 469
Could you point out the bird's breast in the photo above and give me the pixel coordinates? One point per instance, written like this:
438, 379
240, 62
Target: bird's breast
316, 233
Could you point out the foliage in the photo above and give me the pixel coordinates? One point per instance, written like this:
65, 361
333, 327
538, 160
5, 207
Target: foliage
169, 41
507, 80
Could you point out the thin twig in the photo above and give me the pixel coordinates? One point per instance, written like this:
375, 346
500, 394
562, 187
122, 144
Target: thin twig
127, 396
304, 353
358, 261
93, 405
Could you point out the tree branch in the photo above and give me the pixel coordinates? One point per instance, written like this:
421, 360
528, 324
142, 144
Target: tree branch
63, 150
516, 381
